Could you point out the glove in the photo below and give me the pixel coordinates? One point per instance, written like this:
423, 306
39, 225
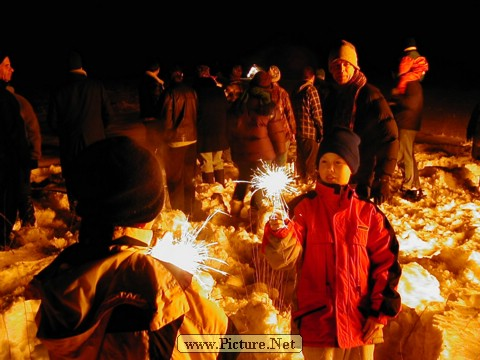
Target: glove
277, 220
381, 190
363, 191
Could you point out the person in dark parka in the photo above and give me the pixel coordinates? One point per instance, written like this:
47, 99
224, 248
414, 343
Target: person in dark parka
14, 154
211, 126
79, 113
360, 106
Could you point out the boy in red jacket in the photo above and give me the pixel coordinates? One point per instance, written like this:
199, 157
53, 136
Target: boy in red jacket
346, 254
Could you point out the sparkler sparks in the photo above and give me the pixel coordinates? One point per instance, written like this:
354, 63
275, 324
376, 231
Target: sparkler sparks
186, 251
275, 182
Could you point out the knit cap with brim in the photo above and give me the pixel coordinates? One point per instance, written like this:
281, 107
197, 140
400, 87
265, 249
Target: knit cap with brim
343, 142
119, 182
262, 79
74, 60
344, 51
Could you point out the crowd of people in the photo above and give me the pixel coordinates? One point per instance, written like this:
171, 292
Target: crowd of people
348, 137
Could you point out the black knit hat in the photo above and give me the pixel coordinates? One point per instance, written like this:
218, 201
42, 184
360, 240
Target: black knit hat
344, 142
410, 43
262, 79
74, 60
119, 182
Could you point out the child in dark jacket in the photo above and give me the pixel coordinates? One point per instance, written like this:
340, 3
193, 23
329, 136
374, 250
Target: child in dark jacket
107, 297
346, 254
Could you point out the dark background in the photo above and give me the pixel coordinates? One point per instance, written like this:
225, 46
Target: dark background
115, 40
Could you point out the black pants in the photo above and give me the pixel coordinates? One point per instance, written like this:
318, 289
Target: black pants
180, 163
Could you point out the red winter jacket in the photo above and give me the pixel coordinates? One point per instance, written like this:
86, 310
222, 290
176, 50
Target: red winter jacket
347, 261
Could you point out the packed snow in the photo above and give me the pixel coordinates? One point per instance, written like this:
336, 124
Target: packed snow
439, 240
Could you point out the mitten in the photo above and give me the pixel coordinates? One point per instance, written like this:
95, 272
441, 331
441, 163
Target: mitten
381, 189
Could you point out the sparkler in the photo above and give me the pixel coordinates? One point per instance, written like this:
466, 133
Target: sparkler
186, 251
275, 181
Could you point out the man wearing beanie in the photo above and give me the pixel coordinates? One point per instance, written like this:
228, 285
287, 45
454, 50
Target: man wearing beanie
105, 296
349, 271
354, 103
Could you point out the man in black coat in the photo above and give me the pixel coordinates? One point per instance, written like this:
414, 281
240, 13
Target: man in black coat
355, 103
79, 112
179, 123
14, 154
211, 126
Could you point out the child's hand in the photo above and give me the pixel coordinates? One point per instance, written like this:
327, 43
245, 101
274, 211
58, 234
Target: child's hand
277, 220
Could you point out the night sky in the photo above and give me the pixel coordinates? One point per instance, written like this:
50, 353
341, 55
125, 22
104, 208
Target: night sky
115, 41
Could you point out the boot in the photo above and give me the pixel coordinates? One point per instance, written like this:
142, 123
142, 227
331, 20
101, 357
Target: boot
235, 207
208, 178
27, 215
220, 176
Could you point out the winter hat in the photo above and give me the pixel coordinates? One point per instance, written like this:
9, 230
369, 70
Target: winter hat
74, 60
320, 73
153, 64
344, 51
119, 182
176, 74
344, 142
262, 79
203, 71
410, 44
275, 73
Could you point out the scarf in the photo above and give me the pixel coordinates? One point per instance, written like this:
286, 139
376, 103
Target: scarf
347, 94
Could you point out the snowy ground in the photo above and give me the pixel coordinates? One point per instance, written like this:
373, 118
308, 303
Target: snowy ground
440, 255
439, 251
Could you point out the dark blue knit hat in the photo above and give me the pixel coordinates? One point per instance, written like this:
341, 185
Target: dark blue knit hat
118, 182
74, 60
344, 142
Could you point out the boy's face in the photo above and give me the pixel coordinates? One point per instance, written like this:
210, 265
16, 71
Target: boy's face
333, 169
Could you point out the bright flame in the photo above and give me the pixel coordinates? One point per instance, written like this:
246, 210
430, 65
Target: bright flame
185, 251
275, 181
